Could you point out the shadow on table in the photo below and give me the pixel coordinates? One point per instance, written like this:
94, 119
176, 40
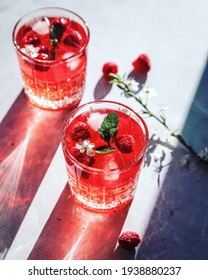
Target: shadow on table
103, 87
29, 138
178, 228
73, 232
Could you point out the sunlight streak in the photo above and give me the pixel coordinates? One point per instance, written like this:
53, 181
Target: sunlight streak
10, 173
75, 247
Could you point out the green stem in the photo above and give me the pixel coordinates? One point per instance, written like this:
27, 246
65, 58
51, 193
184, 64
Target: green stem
163, 122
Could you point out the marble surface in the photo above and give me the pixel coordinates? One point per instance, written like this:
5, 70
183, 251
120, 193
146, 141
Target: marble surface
38, 218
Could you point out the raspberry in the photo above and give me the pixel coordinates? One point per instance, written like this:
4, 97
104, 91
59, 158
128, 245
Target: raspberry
74, 39
129, 240
109, 67
31, 38
142, 64
42, 56
38, 66
43, 49
80, 131
84, 159
125, 143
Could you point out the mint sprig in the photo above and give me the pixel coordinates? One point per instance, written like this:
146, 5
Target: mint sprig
55, 32
108, 131
109, 127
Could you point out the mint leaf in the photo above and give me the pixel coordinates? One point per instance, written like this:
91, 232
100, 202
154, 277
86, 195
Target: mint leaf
56, 31
109, 127
52, 54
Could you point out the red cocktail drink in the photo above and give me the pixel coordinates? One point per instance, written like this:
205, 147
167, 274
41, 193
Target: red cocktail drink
104, 144
51, 45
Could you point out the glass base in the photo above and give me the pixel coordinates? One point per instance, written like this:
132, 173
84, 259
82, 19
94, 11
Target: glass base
44, 103
102, 207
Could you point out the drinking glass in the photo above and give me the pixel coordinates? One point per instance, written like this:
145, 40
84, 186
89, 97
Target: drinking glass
102, 173
51, 45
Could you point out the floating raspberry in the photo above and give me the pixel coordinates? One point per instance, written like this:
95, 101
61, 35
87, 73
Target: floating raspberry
42, 56
125, 143
31, 38
129, 240
39, 66
74, 39
84, 159
80, 131
142, 64
109, 67
43, 49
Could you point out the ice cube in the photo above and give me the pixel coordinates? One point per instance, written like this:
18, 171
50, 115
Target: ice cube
95, 120
74, 64
41, 27
112, 165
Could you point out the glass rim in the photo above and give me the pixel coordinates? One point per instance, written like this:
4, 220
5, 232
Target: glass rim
99, 170
75, 55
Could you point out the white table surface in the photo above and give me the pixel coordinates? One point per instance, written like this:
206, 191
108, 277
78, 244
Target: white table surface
38, 219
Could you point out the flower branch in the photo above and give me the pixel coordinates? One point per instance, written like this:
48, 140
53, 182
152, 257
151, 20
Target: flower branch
131, 88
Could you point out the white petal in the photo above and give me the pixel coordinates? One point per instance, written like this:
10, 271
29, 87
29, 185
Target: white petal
90, 153
91, 146
79, 146
86, 143
132, 85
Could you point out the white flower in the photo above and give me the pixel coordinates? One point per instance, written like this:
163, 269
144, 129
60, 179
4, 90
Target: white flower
132, 85
30, 50
86, 146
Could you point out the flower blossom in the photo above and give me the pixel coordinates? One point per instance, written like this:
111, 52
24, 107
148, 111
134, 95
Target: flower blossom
30, 50
132, 85
86, 146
